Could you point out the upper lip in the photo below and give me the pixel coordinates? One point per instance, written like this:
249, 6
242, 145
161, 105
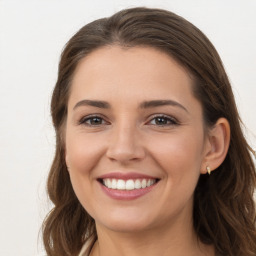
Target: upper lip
125, 176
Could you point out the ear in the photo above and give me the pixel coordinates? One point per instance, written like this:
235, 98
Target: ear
216, 146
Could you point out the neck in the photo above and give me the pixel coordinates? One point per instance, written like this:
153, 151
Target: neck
177, 239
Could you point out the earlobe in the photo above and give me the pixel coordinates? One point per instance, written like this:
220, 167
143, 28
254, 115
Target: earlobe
218, 144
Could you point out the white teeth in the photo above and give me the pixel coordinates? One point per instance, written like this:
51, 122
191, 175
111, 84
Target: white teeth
128, 184
143, 183
120, 185
114, 184
137, 184
108, 183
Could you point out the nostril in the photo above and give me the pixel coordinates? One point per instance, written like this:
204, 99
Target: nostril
124, 154
124, 146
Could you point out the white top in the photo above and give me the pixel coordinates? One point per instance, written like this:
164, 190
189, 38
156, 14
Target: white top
84, 251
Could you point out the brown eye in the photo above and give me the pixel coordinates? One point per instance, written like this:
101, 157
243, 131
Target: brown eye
163, 121
93, 121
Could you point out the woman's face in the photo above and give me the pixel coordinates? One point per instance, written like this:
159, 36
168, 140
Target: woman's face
135, 142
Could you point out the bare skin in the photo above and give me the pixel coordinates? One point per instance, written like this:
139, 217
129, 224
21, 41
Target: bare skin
182, 243
132, 112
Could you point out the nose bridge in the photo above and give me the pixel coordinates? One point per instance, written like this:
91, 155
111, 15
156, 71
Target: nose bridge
124, 142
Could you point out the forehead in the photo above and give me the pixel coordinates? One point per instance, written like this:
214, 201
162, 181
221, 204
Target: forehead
134, 73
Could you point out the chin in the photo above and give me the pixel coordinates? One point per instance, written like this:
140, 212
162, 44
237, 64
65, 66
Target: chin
126, 227
126, 223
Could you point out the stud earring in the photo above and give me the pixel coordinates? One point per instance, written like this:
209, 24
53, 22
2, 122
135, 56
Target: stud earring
208, 169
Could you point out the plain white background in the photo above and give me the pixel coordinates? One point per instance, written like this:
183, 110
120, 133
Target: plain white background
32, 36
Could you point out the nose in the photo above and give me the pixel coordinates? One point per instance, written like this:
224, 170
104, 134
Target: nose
125, 144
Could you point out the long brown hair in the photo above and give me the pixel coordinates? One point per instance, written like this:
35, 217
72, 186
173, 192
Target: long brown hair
224, 209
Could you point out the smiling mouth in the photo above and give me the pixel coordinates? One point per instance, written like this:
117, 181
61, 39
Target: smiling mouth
130, 184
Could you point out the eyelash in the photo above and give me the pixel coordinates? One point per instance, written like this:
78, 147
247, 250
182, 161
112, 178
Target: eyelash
170, 120
90, 118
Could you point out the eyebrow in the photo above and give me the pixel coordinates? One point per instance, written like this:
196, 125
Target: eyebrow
143, 105
159, 103
93, 103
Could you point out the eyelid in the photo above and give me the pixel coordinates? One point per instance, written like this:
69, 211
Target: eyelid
82, 121
173, 120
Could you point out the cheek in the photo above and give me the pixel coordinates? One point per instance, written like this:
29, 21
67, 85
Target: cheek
82, 156
82, 152
180, 157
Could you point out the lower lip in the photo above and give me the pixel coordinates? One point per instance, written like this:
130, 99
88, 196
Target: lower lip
126, 194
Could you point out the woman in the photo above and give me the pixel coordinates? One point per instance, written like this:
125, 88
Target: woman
150, 156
